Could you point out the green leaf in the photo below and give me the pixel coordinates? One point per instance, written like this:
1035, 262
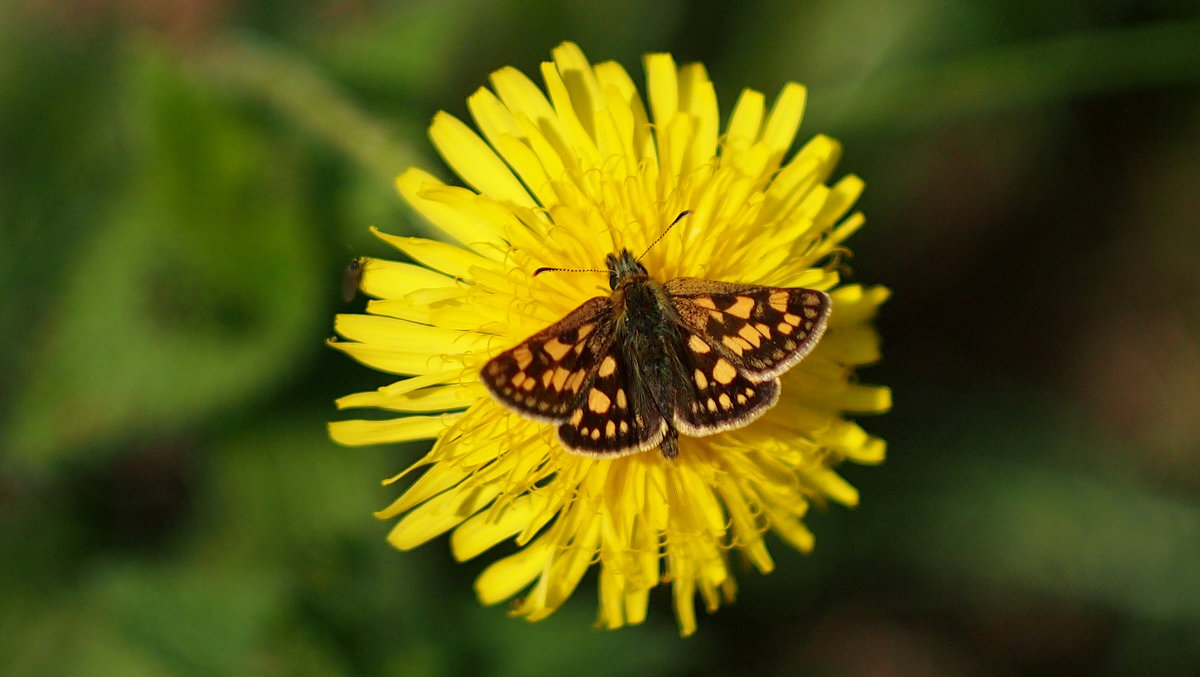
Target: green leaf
199, 289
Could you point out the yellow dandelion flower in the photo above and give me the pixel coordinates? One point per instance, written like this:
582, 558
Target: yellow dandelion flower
561, 179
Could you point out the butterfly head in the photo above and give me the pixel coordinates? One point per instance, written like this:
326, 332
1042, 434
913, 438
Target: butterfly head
623, 269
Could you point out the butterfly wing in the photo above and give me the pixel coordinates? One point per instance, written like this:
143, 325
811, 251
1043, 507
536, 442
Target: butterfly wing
716, 396
761, 331
737, 339
611, 418
573, 373
543, 376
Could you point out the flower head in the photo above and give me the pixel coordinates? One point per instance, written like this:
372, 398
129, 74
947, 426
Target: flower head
561, 179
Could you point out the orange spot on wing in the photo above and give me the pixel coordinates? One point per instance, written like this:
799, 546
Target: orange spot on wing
723, 371
737, 344
556, 349
560, 378
778, 300
741, 307
598, 401
751, 335
576, 380
607, 367
523, 356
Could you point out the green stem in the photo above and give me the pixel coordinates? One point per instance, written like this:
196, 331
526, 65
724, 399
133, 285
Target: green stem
291, 85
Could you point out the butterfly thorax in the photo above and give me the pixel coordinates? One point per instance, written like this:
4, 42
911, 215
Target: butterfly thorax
641, 306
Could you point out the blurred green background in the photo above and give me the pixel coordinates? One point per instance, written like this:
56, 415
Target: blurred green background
181, 185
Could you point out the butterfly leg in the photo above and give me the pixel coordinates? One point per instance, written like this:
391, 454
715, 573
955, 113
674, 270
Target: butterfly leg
670, 443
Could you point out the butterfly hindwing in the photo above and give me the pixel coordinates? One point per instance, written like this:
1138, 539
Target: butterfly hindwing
573, 373
544, 375
716, 395
762, 331
610, 418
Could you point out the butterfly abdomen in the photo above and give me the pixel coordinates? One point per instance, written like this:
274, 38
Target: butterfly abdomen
648, 334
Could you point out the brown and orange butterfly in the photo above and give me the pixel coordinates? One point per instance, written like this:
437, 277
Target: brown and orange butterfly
631, 371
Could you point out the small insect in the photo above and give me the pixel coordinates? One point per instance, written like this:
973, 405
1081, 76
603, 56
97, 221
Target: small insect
352, 277
628, 372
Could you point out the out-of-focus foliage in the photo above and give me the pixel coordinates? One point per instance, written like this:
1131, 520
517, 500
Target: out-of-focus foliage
182, 183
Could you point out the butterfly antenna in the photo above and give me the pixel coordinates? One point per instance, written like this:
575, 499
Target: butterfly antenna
686, 212
539, 271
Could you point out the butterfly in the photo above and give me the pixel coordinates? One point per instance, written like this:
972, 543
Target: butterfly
632, 371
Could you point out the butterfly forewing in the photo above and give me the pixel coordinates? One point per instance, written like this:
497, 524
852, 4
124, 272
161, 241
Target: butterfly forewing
544, 375
761, 331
